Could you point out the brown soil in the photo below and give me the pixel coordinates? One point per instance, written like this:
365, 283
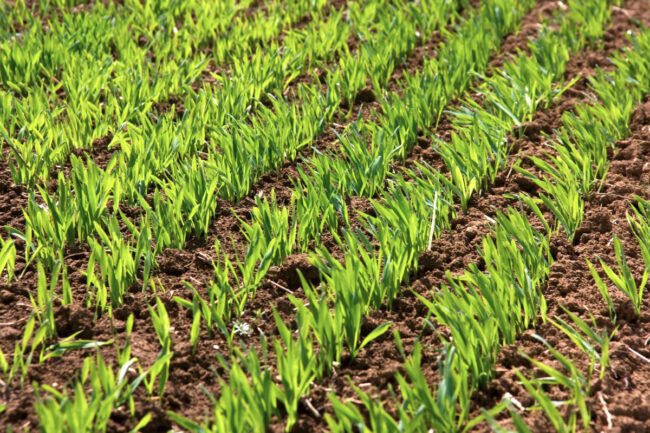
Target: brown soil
14, 199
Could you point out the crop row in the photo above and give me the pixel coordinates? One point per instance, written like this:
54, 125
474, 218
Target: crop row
609, 121
603, 124
490, 290
74, 215
102, 94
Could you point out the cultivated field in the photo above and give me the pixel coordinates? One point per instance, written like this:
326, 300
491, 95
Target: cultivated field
311, 215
